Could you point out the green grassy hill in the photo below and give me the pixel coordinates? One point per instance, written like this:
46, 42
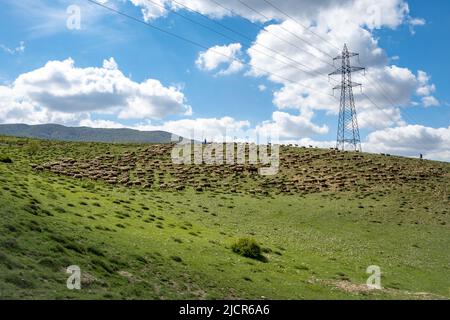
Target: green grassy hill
140, 227
59, 132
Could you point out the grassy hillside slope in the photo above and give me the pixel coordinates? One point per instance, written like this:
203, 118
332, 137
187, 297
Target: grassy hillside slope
136, 234
59, 132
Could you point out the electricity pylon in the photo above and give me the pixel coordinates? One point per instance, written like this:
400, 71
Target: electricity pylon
348, 131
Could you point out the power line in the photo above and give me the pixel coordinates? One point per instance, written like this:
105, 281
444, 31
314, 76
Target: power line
240, 33
375, 104
382, 90
212, 20
350, 84
388, 99
249, 46
206, 48
379, 88
270, 32
287, 30
216, 52
300, 24
192, 42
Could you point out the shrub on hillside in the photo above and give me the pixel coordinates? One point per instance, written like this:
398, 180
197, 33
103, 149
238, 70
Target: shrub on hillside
248, 248
33, 148
5, 159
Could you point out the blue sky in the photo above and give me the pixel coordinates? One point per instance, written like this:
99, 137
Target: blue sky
188, 94
426, 50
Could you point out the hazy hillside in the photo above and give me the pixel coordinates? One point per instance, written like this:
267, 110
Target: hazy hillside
59, 132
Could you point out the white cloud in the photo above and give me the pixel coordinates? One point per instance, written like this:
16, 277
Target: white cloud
411, 140
389, 87
234, 67
202, 128
110, 64
423, 79
262, 88
347, 21
19, 49
60, 90
153, 100
415, 22
220, 56
100, 124
430, 101
426, 90
288, 126
151, 10
373, 14
373, 118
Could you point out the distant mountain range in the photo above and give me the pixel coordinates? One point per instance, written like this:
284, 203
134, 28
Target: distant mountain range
59, 132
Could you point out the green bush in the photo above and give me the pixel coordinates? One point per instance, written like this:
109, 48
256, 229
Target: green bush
5, 159
248, 248
33, 148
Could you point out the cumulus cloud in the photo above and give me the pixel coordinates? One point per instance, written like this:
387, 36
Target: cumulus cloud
98, 123
110, 64
213, 129
389, 87
288, 126
411, 140
328, 13
430, 101
226, 56
426, 90
61, 91
372, 14
151, 10
335, 23
374, 118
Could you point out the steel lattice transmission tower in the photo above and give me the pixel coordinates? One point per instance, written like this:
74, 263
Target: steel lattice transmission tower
348, 131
